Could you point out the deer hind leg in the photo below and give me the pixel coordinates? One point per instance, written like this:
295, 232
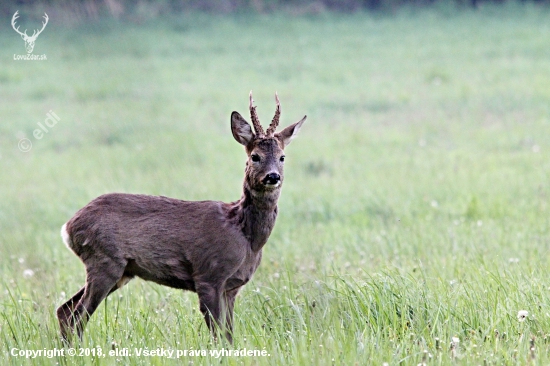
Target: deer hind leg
65, 312
101, 280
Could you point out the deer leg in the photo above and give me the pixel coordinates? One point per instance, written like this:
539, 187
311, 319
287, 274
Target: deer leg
229, 303
210, 305
100, 282
65, 311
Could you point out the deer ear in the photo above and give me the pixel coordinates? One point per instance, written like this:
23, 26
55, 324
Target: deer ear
241, 129
289, 133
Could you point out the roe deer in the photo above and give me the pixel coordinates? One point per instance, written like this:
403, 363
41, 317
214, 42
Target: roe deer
211, 248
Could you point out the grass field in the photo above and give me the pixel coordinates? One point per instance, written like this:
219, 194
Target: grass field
415, 208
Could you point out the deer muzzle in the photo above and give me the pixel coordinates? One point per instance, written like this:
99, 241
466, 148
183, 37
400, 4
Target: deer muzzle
272, 179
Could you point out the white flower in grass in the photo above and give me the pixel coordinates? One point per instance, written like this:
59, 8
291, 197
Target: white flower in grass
28, 273
522, 315
455, 341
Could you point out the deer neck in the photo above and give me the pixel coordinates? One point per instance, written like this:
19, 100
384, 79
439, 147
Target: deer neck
258, 212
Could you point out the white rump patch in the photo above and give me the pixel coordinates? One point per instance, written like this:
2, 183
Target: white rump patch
65, 236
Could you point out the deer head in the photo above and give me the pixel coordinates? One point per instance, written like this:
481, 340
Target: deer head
265, 150
29, 40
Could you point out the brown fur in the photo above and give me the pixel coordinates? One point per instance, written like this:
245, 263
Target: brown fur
211, 248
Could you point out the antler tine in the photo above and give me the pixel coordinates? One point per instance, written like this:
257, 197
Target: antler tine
255, 121
13, 19
43, 24
275, 122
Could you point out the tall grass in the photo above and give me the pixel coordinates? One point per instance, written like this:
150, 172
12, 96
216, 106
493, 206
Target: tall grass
415, 206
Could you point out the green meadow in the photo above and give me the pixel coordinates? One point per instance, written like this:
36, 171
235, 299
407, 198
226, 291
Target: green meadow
414, 222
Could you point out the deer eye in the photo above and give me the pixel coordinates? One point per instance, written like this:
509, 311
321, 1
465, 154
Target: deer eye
282, 158
255, 158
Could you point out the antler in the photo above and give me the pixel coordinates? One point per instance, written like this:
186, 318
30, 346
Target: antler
43, 26
255, 121
13, 19
34, 34
275, 122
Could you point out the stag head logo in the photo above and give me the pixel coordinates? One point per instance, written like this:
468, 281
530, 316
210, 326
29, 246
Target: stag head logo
29, 40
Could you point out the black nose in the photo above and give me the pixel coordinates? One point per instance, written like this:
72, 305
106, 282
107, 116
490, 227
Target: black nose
272, 178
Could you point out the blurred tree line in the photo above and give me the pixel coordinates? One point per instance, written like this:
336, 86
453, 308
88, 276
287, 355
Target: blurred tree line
91, 9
